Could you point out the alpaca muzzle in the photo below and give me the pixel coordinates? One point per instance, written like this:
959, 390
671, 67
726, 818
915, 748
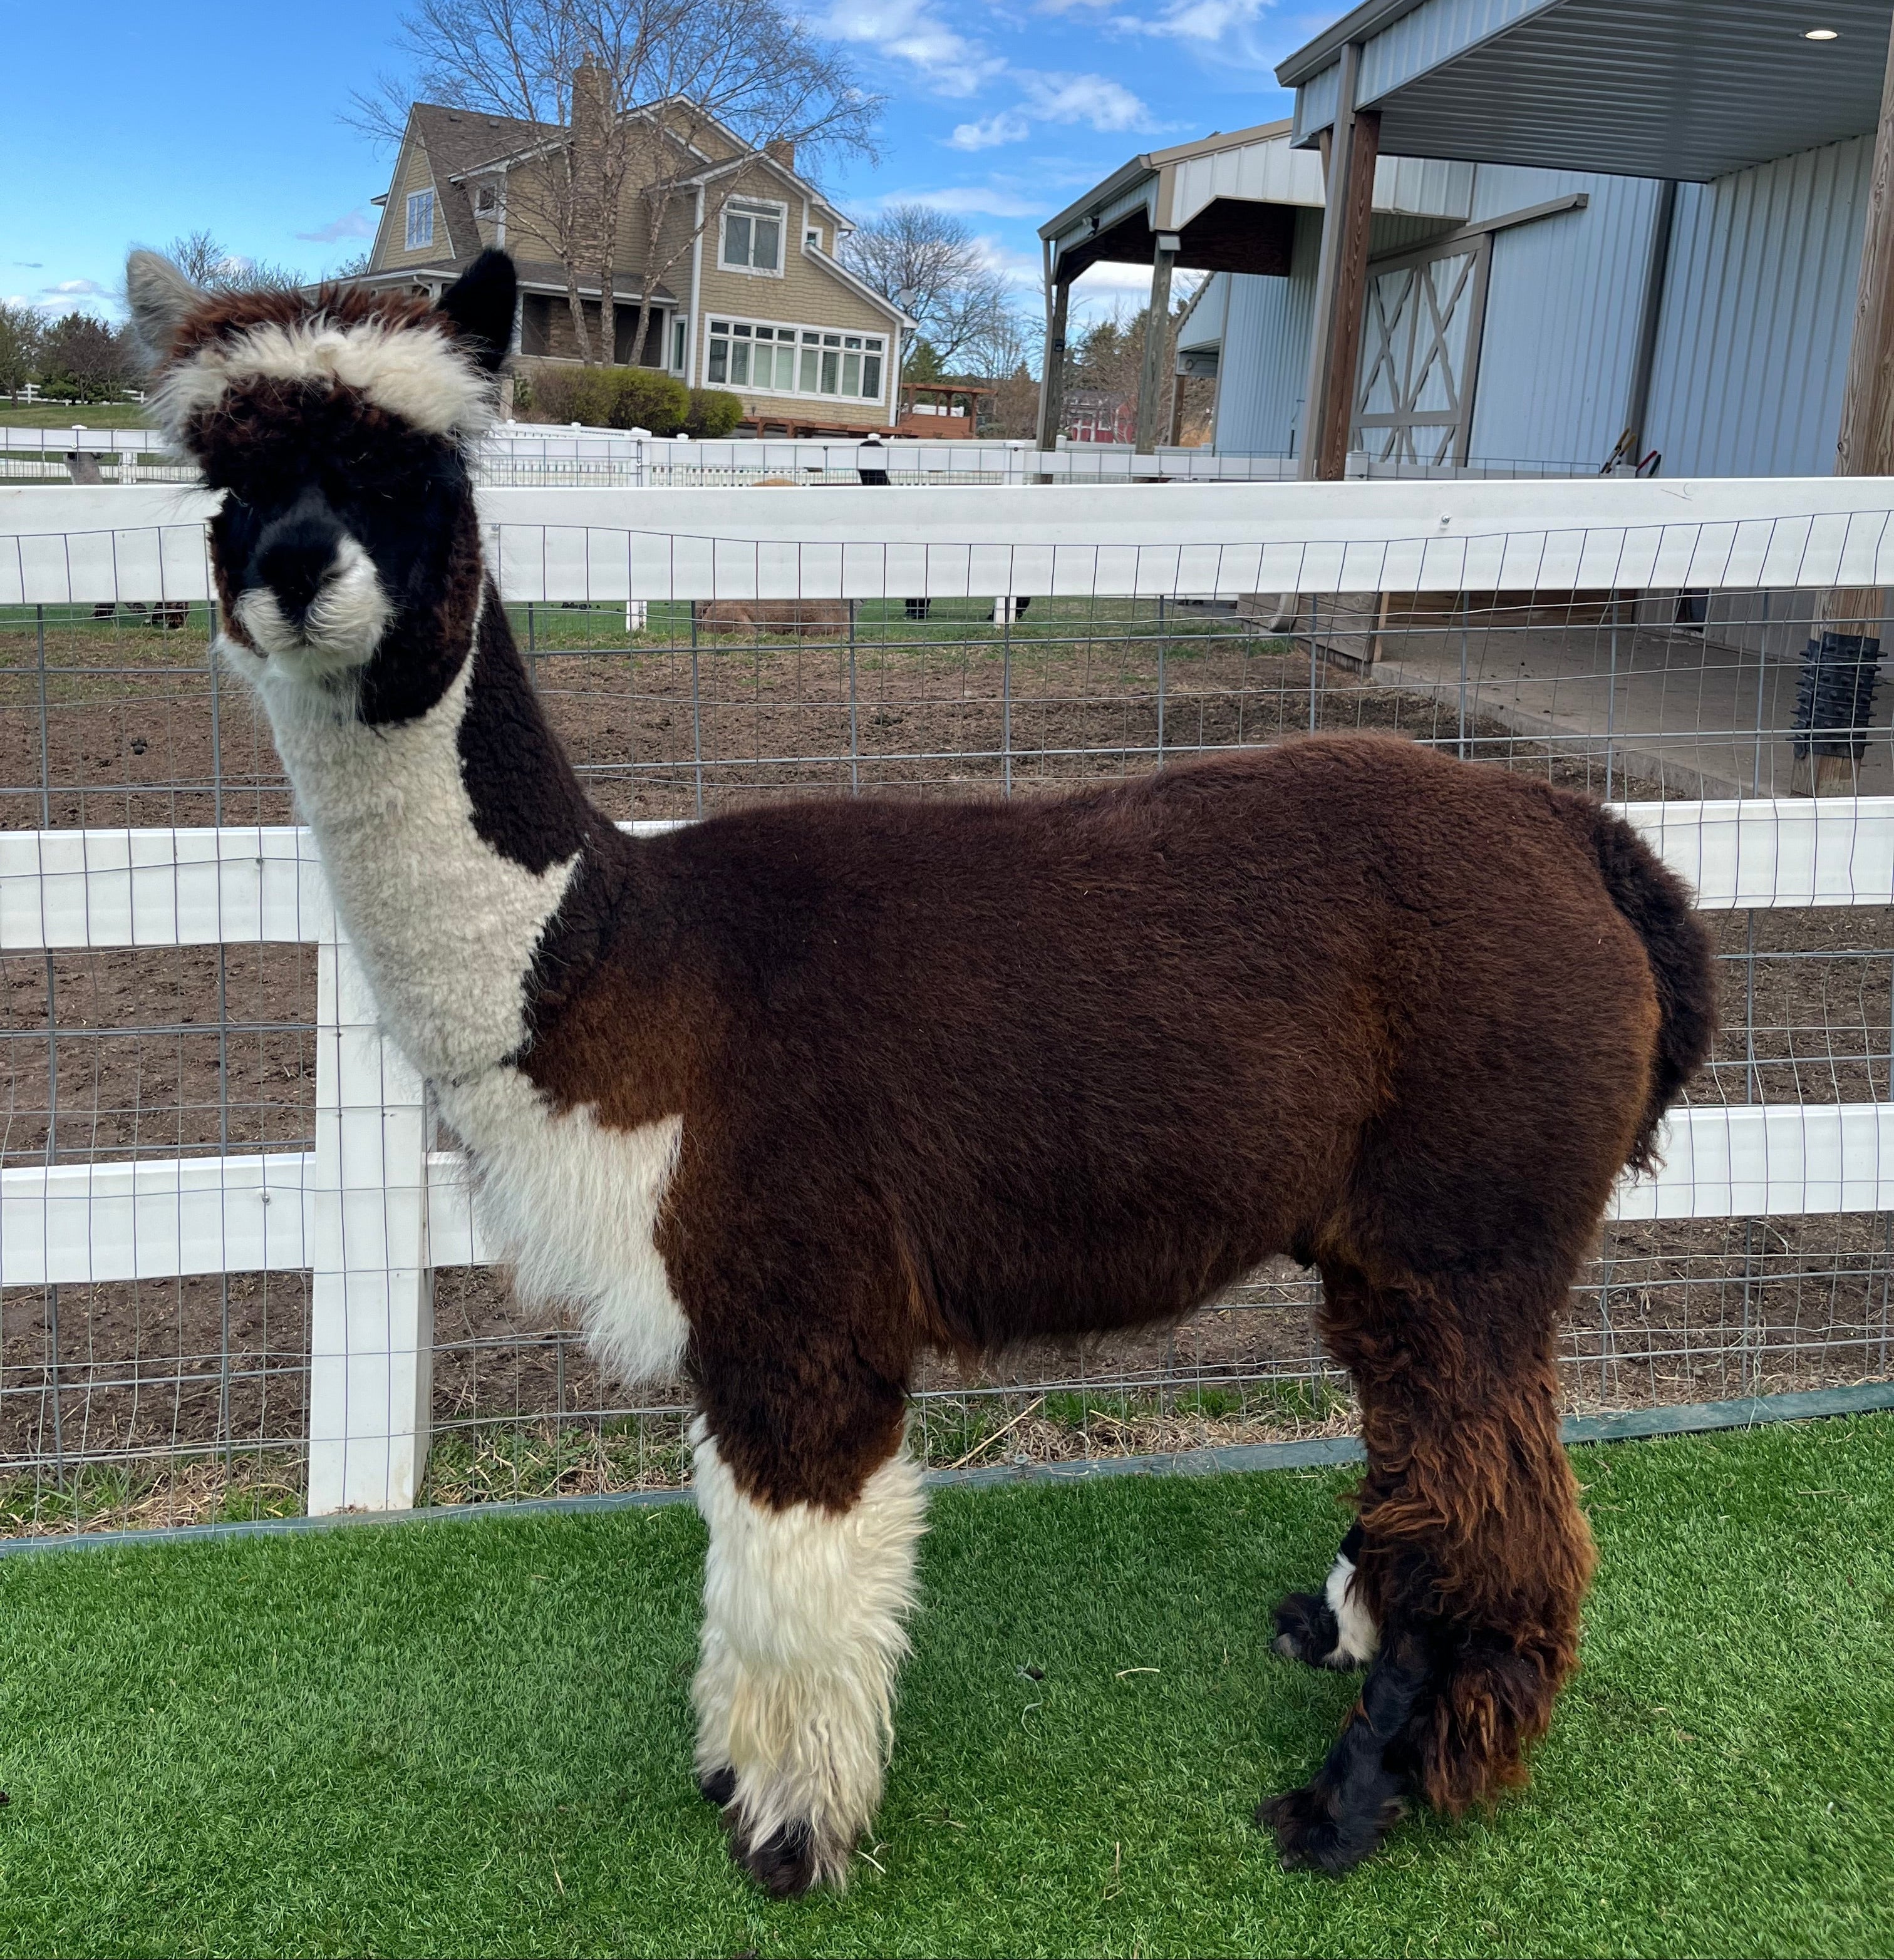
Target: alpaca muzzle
312, 591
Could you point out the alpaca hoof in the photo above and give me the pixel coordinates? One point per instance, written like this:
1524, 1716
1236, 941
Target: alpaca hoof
1310, 1835
718, 1786
1307, 1630
784, 1863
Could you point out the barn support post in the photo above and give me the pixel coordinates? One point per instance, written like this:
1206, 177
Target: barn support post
1341, 287
1051, 387
1151, 379
1835, 699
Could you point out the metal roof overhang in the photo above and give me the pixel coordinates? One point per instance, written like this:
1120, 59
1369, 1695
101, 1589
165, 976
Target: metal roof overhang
1689, 89
1231, 200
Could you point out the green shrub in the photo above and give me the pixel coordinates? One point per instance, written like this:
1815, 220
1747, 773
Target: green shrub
713, 411
605, 397
627, 398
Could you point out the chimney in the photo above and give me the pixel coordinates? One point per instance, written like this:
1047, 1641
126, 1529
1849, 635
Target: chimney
590, 107
590, 85
780, 149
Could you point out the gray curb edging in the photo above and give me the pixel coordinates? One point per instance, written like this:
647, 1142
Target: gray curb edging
1680, 1419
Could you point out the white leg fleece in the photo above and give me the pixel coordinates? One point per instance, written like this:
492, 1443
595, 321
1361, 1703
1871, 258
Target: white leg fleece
1358, 1636
802, 1634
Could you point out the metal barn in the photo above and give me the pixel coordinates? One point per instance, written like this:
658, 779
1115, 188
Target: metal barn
1646, 244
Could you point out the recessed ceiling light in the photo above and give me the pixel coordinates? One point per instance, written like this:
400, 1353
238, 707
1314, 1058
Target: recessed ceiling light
1821, 34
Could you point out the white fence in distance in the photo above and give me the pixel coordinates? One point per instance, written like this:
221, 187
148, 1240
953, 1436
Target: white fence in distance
522, 451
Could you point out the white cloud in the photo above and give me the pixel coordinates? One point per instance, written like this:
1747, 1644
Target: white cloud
1093, 98
351, 224
1009, 125
973, 200
1194, 20
912, 32
76, 289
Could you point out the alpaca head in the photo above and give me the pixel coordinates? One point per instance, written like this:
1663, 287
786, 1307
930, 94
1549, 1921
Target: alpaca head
346, 553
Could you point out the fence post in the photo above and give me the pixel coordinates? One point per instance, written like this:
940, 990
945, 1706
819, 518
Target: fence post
372, 1324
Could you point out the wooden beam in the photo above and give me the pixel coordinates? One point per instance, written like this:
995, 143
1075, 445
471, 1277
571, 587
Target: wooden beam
1845, 654
1150, 380
1338, 156
1051, 387
1351, 299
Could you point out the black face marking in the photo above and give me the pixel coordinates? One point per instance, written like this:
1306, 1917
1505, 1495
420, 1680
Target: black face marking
527, 804
302, 465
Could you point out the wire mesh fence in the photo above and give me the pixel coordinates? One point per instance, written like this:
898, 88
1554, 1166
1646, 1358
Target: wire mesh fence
186, 1383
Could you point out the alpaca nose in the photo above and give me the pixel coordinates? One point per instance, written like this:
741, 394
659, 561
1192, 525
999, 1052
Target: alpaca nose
297, 553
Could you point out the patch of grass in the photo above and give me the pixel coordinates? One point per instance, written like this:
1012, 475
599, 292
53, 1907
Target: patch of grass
63, 415
500, 1462
475, 1739
150, 1493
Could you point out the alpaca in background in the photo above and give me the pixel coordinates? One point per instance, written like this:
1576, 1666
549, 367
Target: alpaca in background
786, 1098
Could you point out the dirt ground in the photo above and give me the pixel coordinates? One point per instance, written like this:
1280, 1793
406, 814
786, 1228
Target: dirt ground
161, 1051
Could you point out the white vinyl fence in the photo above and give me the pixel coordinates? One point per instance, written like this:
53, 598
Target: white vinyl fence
375, 1207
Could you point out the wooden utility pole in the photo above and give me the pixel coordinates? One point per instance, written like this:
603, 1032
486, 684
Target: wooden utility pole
1150, 380
1349, 152
1841, 661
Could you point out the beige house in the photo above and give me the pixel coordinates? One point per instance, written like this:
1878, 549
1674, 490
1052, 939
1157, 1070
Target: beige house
752, 298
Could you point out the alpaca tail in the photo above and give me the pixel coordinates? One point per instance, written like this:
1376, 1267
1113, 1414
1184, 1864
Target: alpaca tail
1657, 905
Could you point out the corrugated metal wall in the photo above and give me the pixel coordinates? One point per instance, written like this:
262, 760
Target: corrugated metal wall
1264, 367
1562, 315
1759, 308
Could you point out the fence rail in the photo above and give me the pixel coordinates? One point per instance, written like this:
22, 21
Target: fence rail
1601, 535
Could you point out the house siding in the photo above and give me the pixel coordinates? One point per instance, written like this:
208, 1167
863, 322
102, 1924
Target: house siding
412, 173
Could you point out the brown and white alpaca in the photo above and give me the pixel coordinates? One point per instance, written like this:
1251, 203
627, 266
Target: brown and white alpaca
789, 1097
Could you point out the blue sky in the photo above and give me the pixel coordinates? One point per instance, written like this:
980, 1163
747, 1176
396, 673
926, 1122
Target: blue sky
224, 116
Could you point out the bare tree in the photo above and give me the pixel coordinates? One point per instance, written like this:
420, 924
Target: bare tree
663, 99
208, 264
929, 262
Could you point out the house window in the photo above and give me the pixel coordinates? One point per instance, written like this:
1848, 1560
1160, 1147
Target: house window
486, 201
768, 358
678, 344
753, 237
812, 239
420, 220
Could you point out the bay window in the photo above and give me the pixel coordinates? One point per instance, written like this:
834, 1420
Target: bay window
770, 359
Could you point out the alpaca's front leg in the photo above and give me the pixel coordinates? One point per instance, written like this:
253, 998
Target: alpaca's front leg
804, 1606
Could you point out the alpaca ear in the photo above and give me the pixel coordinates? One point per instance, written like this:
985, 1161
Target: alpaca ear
160, 296
480, 304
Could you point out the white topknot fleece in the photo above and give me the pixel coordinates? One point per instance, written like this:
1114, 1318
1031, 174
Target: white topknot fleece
417, 372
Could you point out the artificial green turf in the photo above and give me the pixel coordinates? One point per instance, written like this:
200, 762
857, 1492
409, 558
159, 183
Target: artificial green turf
473, 1739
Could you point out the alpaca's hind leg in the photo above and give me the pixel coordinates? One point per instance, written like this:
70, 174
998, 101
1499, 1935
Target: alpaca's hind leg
804, 1602
1474, 1557
1332, 1629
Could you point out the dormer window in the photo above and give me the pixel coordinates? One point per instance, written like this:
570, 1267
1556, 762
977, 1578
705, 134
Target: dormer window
753, 237
486, 201
813, 239
420, 220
